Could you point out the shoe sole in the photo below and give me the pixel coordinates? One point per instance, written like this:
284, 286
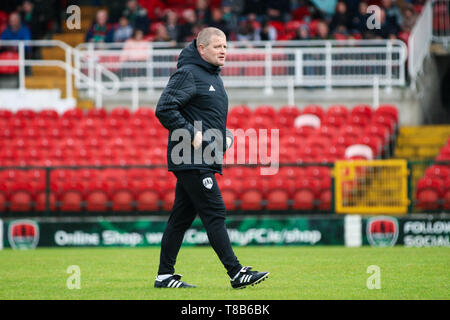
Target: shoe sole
264, 277
175, 288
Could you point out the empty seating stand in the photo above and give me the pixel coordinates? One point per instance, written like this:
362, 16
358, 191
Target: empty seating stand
312, 136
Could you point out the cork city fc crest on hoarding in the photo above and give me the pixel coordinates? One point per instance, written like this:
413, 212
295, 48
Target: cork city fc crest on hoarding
23, 234
382, 231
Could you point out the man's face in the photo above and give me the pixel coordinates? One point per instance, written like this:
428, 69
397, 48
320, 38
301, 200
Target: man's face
215, 52
14, 21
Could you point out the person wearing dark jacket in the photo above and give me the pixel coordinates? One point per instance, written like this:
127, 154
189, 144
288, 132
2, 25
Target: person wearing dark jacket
194, 107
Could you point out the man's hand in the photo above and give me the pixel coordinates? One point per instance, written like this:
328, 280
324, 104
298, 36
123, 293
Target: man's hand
197, 143
229, 142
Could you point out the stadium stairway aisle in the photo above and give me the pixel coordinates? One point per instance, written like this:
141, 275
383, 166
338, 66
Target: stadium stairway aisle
44, 77
421, 142
422, 145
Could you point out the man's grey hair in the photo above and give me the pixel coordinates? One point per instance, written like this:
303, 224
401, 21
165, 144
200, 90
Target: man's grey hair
204, 36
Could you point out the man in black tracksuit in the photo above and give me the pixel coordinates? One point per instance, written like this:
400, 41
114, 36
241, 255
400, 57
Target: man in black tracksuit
194, 107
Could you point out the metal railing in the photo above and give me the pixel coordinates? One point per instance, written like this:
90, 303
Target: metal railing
263, 65
109, 85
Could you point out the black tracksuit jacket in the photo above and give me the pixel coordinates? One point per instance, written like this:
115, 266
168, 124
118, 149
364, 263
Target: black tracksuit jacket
195, 92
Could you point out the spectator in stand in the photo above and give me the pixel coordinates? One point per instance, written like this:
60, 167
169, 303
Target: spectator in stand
16, 30
162, 35
123, 31
278, 10
322, 31
137, 16
256, 7
352, 6
33, 19
267, 32
171, 23
302, 33
202, 12
359, 21
187, 30
218, 22
101, 31
135, 50
386, 30
393, 14
409, 19
247, 30
341, 19
231, 10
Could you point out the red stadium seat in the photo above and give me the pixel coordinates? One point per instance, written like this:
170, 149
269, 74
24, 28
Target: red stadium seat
265, 111
168, 194
428, 192
21, 197
122, 196
3, 196
358, 120
12, 68
350, 130
314, 109
318, 143
240, 111
388, 110
279, 193
48, 114
335, 152
5, 114
252, 194
379, 131
317, 172
289, 111
438, 171
148, 195
99, 113
230, 189
363, 110
333, 121
41, 197
385, 121
373, 142
325, 197
306, 190
446, 196
338, 110
120, 113
74, 114
97, 196
327, 131
26, 114
70, 196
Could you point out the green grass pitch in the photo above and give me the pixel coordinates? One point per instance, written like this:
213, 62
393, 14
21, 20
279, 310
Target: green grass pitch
296, 273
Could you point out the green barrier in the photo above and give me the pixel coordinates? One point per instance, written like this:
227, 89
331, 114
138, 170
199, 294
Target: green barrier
146, 232
351, 230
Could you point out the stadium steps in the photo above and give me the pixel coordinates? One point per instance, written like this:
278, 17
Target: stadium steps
48, 82
73, 39
85, 24
54, 77
54, 53
421, 142
48, 71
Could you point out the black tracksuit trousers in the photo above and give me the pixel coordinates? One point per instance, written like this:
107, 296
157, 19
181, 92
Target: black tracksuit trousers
192, 197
